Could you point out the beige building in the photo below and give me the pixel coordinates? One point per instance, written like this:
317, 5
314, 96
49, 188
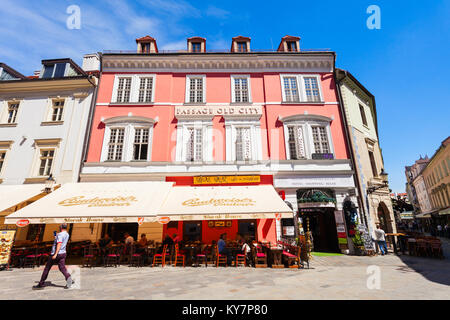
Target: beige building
423, 200
361, 119
437, 181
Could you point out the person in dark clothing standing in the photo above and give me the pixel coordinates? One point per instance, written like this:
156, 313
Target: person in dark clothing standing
57, 256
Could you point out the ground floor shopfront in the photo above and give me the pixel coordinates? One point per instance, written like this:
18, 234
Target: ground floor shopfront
187, 206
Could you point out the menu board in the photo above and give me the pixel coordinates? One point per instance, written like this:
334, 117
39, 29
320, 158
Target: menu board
6, 243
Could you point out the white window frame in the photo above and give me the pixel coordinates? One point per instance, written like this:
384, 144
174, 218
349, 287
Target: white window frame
134, 88
37, 158
301, 88
233, 89
188, 92
255, 137
4, 147
128, 140
307, 125
4, 112
183, 136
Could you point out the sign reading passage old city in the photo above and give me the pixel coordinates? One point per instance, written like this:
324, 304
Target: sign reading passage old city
226, 179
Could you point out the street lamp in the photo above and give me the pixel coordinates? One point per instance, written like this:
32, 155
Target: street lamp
49, 182
384, 178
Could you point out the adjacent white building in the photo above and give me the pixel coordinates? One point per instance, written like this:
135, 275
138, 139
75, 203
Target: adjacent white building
43, 121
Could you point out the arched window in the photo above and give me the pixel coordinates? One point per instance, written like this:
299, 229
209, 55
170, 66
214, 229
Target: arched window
308, 137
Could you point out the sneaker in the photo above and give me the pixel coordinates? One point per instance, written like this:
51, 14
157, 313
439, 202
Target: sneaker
69, 283
38, 287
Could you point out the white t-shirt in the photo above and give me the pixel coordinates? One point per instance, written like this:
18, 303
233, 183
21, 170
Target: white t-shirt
379, 235
129, 240
246, 248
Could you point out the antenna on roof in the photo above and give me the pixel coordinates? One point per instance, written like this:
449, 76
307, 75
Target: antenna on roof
271, 42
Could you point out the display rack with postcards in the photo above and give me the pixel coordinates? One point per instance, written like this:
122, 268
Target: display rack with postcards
6, 244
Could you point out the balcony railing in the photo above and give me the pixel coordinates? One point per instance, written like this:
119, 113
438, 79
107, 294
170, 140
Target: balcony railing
214, 51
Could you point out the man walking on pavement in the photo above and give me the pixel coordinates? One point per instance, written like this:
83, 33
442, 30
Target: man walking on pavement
380, 238
57, 256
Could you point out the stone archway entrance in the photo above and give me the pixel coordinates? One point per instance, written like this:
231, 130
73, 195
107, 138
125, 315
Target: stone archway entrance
384, 218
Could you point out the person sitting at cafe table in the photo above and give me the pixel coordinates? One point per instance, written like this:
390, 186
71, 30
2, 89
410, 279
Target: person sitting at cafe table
103, 244
176, 238
246, 249
143, 242
221, 246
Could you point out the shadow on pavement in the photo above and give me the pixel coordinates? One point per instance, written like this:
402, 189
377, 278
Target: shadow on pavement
434, 270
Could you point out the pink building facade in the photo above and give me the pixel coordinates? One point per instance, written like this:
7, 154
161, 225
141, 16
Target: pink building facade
268, 117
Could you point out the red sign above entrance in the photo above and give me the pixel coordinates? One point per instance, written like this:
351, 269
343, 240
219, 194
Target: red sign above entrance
164, 220
22, 223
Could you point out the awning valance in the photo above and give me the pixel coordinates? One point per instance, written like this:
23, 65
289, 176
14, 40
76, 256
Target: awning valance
222, 203
13, 195
97, 203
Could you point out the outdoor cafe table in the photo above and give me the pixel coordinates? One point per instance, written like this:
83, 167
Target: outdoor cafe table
275, 254
393, 235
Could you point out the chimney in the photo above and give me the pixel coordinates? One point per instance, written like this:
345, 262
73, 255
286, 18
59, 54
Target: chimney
37, 73
91, 62
289, 44
146, 44
240, 44
196, 44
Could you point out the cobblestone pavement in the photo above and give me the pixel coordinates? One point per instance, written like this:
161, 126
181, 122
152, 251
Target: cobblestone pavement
339, 277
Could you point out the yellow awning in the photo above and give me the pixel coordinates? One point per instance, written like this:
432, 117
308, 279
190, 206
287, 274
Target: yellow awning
221, 203
97, 203
12, 196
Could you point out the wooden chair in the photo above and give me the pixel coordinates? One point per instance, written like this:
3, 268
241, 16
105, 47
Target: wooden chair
422, 248
136, 258
89, 257
436, 249
32, 258
241, 259
260, 257
160, 258
292, 257
219, 258
113, 256
412, 246
179, 257
202, 256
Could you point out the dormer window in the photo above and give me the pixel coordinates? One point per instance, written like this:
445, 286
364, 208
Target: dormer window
292, 46
196, 47
56, 70
242, 46
196, 44
145, 47
289, 44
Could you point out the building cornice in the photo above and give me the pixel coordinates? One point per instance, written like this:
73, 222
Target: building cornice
7, 87
220, 63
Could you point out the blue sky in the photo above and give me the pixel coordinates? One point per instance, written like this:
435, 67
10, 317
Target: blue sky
405, 64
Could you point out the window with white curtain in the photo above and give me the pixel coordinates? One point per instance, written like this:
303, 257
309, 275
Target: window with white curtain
308, 137
296, 142
13, 109
243, 144
124, 89
194, 144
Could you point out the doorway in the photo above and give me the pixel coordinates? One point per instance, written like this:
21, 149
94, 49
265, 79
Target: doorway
383, 217
192, 231
117, 231
322, 225
247, 228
